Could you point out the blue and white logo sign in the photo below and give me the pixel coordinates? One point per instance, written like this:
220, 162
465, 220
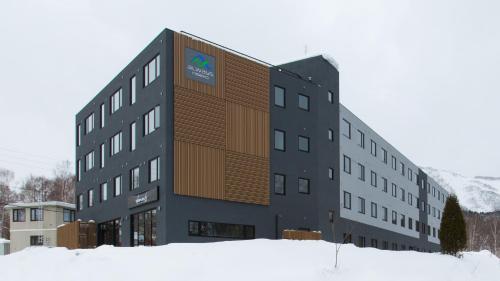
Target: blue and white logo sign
199, 66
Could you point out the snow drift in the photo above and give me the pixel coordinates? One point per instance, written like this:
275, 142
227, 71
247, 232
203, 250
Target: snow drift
244, 260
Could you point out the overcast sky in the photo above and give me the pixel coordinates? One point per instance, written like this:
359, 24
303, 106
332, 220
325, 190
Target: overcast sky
423, 74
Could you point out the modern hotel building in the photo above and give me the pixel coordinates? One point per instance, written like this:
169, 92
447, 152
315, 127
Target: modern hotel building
196, 142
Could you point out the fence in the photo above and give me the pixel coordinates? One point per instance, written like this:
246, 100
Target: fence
301, 235
77, 235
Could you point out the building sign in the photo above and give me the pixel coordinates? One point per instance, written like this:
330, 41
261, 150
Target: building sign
199, 66
143, 198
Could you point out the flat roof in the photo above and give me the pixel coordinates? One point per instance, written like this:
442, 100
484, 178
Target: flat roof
38, 204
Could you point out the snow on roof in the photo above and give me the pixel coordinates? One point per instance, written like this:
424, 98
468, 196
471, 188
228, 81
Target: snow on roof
38, 204
326, 57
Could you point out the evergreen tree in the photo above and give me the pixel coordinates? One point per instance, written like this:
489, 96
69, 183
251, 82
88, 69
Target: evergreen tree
453, 233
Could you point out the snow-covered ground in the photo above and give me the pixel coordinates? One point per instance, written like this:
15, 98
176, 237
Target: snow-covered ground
244, 260
479, 194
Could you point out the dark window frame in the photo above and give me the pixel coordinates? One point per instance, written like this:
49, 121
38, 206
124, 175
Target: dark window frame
284, 184
307, 99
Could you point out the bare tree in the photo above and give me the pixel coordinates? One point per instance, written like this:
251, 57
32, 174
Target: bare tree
345, 239
63, 188
494, 233
6, 196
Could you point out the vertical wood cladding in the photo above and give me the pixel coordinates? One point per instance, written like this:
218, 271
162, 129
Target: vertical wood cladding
221, 148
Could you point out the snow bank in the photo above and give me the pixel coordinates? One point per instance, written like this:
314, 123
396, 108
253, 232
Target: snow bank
244, 260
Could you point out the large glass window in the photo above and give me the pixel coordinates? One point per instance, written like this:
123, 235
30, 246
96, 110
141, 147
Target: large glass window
279, 96
303, 144
89, 123
109, 233
152, 70
304, 186
18, 215
279, 140
279, 184
116, 143
347, 200
303, 102
116, 101
134, 178
133, 90
36, 214
144, 227
152, 120
154, 169
36, 240
117, 186
221, 230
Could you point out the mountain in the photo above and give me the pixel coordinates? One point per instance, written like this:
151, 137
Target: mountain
478, 193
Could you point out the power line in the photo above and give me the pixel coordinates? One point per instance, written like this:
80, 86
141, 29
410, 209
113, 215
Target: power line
26, 153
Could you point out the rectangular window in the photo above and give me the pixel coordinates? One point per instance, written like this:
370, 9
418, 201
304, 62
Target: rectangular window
384, 181
117, 186
116, 143
330, 97
410, 198
410, 174
154, 169
68, 215
394, 190
361, 205
103, 114
394, 217
152, 120
104, 192
89, 123
80, 202
361, 172
374, 243
330, 173
402, 168
134, 178
102, 153
36, 214
346, 128
402, 194
303, 144
433, 232
361, 241
90, 198
347, 164
78, 170
133, 136
78, 135
374, 209
384, 213
279, 184
373, 149
221, 230
18, 215
36, 240
394, 163
410, 223
330, 134
89, 161
361, 139
279, 96
373, 179
133, 90
347, 200
304, 186
403, 220
303, 102
116, 101
434, 211
279, 140
152, 70
384, 155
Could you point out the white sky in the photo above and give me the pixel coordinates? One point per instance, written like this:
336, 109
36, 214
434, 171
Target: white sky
423, 74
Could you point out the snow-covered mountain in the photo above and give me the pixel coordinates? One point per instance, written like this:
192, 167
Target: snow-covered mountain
479, 193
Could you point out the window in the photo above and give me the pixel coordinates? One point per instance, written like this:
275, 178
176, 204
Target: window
361, 172
90, 198
347, 164
133, 90
304, 186
104, 192
361, 139
78, 170
89, 161
279, 140
143, 226
36, 240
434, 191
303, 102
89, 123
384, 213
361, 241
102, 155
410, 198
18, 215
279, 184
152, 70
221, 230
152, 120
374, 243
116, 101
134, 178
394, 217
434, 211
347, 200
373, 179
433, 232
346, 128
394, 164
102, 117
428, 209
402, 194
330, 97
117, 186
374, 209
108, 233
394, 246
403, 220
154, 169
373, 149
384, 181
80, 202
68, 215
402, 168
330, 134
361, 205
330, 173
410, 223
303, 144
394, 190
36, 214
279, 96
410, 174
347, 238
384, 155
116, 143
78, 135
133, 136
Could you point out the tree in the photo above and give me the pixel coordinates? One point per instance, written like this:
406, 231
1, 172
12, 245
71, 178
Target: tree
453, 233
6, 196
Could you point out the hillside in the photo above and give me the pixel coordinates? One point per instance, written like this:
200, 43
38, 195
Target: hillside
477, 194
244, 260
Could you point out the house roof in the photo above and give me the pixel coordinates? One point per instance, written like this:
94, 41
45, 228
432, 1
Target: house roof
42, 204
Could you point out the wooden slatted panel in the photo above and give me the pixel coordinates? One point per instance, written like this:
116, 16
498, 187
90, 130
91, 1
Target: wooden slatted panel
199, 118
247, 130
301, 235
199, 170
180, 79
247, 178
247, 82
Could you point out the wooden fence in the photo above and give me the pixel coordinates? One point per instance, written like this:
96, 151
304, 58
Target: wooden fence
77, 235
301, 235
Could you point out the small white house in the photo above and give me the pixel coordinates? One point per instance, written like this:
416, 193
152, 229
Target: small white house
4, 247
